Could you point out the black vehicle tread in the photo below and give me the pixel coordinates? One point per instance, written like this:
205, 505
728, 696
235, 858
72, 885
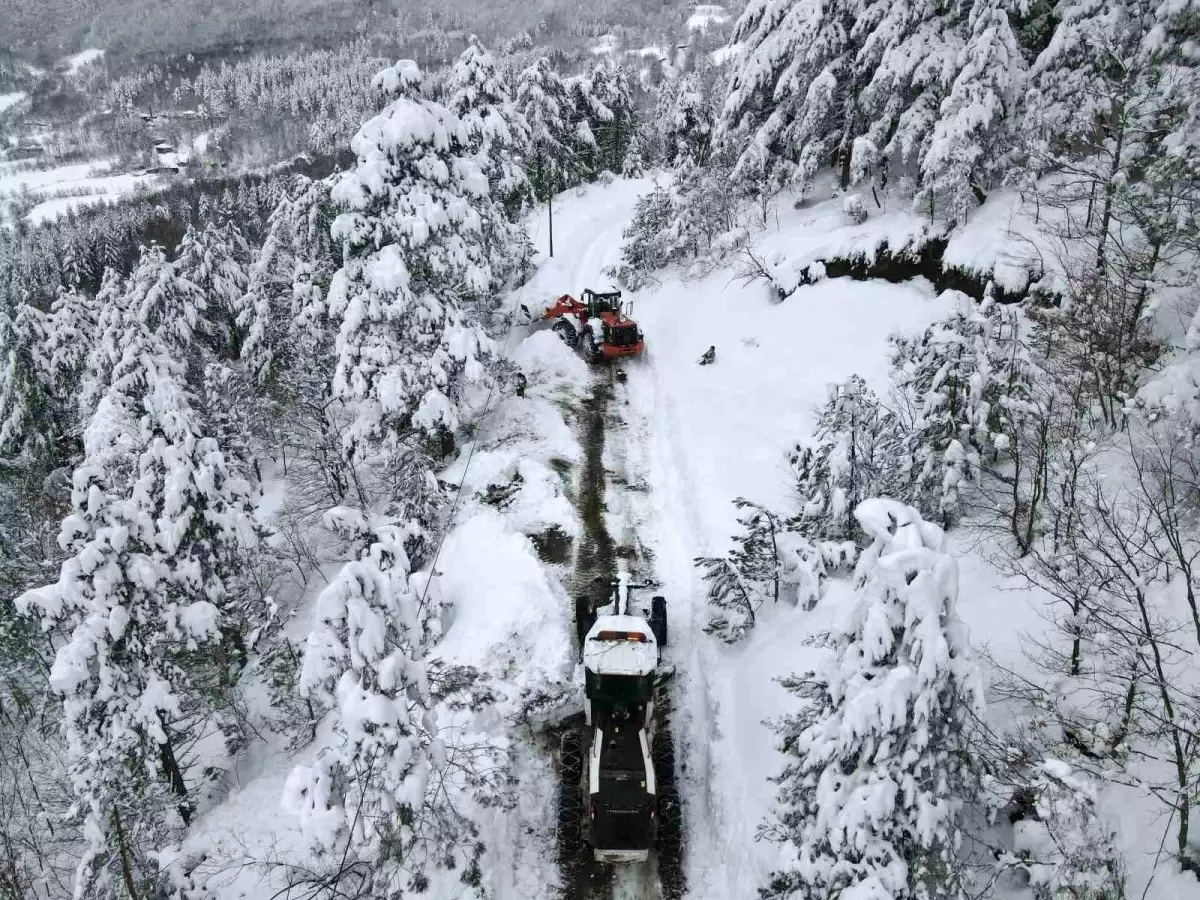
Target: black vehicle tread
658, 619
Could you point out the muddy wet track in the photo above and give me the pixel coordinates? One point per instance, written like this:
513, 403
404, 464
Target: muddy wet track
595, 566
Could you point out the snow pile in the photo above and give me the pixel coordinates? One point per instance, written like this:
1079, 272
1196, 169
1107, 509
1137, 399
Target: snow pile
508, 618
998, 242
828, 230
707, 14
9, 100
85, 57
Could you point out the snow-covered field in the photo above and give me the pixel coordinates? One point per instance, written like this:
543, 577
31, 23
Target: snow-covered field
85, 184
707, 14
78, 60
11, 99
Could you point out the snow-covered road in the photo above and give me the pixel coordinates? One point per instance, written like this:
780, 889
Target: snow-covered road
682, 443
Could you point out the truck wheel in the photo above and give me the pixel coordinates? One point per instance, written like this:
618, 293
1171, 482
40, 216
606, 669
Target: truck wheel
567, 332
570, 796
670, 821
663, 754
658, 620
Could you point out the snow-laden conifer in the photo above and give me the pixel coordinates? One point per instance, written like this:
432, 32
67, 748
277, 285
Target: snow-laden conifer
415, 255
878, 771
375, 789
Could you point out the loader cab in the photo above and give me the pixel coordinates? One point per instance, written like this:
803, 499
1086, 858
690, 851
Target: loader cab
601, 302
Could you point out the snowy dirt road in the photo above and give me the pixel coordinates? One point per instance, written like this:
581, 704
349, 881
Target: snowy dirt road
679, 443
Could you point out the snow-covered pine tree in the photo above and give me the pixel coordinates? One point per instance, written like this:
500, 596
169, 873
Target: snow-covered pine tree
943, 376
794, 88
878, 766
907, 53
587, 112
168, 304
377, 788
412, 226
770, 560
498, 136
105, 348
31, 423
688, 124
71, 332
854, 453
612, 88
545, 101
215, 261
286, 325
970, 147
1114, 62
156, 555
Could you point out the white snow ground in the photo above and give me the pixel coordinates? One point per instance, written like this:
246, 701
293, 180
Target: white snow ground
77, 61
11, 99
90, 178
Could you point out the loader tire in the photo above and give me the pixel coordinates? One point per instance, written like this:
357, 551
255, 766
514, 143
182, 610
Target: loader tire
658, 620
570, 797
567, 332
670, 818
663, 755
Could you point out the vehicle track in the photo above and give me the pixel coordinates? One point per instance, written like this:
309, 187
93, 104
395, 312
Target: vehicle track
608, 504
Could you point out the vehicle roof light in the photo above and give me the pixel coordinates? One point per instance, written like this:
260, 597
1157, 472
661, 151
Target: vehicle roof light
636, 636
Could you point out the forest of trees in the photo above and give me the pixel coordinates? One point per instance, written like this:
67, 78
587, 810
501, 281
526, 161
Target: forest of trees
165, 362
1058, 430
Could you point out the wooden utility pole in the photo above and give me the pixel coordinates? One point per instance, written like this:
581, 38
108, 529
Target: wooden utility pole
550, 208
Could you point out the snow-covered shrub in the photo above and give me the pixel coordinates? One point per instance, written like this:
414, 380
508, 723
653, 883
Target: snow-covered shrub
878, 765
854, 209
855, 452
1062, 844
944, 376
770, 560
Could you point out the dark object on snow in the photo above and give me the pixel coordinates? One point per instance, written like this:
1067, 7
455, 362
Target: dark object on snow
521, 382
709, 357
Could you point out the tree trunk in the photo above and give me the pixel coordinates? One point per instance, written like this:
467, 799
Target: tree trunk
123, 852
170, 764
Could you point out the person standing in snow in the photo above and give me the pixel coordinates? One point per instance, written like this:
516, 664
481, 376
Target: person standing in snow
709, 357
521, 382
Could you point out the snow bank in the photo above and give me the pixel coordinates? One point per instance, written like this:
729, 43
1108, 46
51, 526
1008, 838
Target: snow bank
507, 617
822, 231
10, 100
707, 14
81, 59
998, 241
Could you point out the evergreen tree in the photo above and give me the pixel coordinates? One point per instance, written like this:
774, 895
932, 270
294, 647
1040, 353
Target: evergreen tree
31, 426
499, 136
688, 124
155, 559
71, 333
413, 233
968, 153
105, 348
944, 375
795, 88
878, 766
287, 287
377, 788
545, 102
854, 454
214, 259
